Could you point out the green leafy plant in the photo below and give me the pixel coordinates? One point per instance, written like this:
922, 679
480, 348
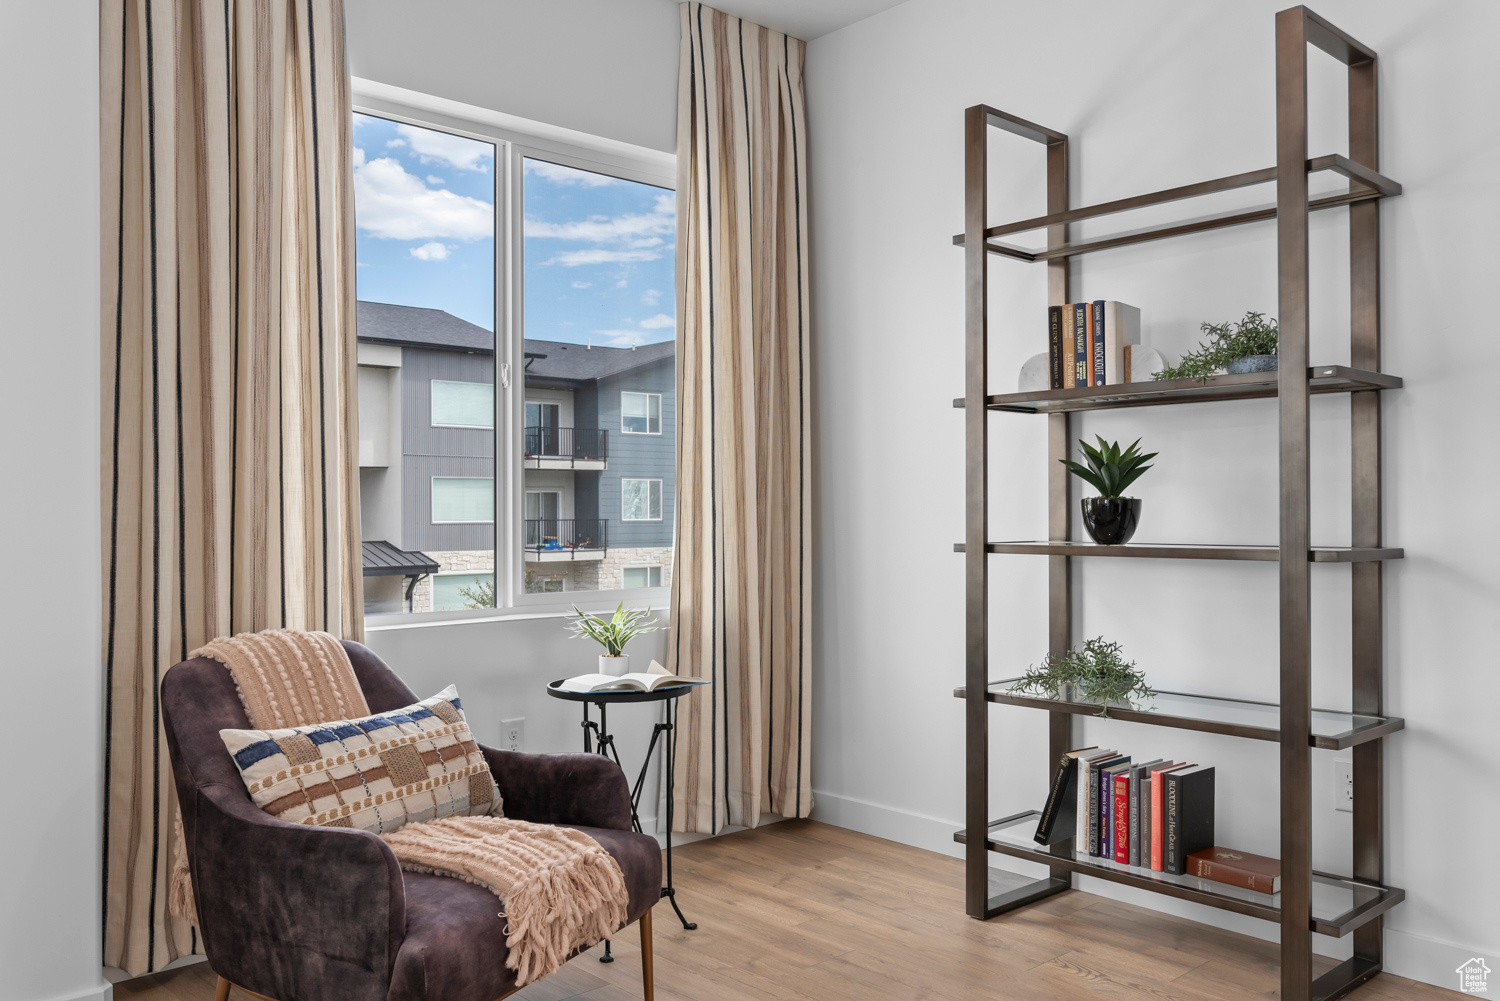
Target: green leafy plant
1109, 470
480, 594
613, 633
1098, 669
1254, 335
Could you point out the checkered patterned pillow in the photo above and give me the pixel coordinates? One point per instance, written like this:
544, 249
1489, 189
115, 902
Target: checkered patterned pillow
378, 773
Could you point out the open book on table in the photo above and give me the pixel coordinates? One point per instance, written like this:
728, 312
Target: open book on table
649, 680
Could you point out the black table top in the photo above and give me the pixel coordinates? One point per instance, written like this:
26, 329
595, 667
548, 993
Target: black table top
617, 695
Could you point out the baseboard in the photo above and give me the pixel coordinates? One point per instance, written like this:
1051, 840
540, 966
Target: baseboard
102, 992
1406, 955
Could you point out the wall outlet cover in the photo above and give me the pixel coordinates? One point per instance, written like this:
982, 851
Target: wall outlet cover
1343, 786
513, 733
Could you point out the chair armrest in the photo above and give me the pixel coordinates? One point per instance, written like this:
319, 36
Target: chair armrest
587, 790
293, 910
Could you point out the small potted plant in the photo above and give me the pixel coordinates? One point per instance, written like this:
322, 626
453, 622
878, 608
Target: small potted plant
612, 634
1098, 673
1246, 346
1111, 517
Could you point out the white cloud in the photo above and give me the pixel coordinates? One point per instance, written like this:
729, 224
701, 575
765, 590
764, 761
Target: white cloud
558, 174
393, 143
583, 284
655, 241
359, 157
575, 258
432, 146
651, 297
433, 251
434, 179
394, 205
659, 321
621, 338
622, 282
641, 229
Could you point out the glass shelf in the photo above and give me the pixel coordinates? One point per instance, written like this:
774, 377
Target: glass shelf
1185, 551
1331, 730
1338, 905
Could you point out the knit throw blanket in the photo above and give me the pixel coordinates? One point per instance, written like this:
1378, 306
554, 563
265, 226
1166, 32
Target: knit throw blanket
559, 889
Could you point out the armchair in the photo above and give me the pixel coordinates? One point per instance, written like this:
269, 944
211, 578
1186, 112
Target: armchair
298, 913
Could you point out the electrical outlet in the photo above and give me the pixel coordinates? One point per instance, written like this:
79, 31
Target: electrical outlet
513, 733
1343, 786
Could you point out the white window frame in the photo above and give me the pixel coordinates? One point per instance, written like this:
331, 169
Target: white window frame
515, 139
661, 497
432, 500
457, 382
649, 396
648, 567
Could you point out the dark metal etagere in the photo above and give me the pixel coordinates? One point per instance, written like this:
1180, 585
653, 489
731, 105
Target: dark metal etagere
1309, 901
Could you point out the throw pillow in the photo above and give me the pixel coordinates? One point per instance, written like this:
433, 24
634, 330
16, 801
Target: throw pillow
378, 773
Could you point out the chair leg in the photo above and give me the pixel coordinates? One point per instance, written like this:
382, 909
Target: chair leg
221, 990
647, 976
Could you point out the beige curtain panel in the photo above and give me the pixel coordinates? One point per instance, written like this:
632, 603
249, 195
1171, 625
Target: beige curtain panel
228, 383
741, 588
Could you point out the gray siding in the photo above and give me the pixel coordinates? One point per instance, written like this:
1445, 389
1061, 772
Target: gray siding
638, 455
429, 451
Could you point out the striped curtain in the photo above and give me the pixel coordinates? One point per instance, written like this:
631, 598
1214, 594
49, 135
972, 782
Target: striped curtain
229, 464
741, 587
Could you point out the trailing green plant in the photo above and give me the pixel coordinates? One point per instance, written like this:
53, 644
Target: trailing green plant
613, 633
1110, 471
1253, 335
1098, 669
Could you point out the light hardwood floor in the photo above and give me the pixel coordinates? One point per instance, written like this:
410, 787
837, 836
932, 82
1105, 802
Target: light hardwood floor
800, 911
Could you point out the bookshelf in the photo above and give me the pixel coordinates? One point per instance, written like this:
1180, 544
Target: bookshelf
1310, 902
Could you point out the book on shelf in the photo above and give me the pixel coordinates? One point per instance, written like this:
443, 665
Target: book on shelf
648, 680
1236, 868
1088, 343
1106, 846
1137, 777
1120, 819
1158, 805
1088, 812
1058, 822
1189, 814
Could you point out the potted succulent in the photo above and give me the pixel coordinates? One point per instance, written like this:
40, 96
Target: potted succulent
612, 634
1111, 517
1097, 673
1246, 346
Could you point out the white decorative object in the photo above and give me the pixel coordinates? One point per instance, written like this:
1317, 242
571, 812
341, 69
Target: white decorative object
1035, 375
1145, 362
615, 666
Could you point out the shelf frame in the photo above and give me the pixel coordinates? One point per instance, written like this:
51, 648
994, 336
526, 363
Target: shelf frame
1292, 387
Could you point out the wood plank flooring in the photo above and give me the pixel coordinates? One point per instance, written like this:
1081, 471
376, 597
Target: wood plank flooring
800, 911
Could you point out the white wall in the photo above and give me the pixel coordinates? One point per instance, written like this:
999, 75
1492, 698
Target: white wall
49, 591
1174, 91
605, 67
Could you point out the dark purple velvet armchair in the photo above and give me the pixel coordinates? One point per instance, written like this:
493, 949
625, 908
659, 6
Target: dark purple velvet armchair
299, 913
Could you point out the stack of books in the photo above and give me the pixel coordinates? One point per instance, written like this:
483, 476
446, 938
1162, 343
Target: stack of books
1089, 343
1151, 814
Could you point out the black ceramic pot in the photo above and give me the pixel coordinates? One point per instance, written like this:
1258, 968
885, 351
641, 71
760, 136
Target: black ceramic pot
1111, 521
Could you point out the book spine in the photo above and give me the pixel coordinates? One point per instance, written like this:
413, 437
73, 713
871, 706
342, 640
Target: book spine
1158, 785
1122, 817
1054, 345
1080, 344
1171, 844
1100, 366
1145, 857
1104, 847
1054, 802
1125, 372
1093, 811
1069, 346
1136, 778
1081, 816
1231, 876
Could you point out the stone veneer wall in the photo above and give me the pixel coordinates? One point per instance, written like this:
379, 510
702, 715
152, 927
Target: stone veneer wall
607, 574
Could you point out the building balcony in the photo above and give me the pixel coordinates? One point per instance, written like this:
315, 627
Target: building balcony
558, 540
565, 448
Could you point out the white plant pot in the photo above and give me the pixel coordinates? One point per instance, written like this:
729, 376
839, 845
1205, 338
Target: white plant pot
614, 666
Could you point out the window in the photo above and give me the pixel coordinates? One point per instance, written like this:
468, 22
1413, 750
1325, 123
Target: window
515, 322
453, 592
640, 500
463, 500
463, 404
642, 577
640, 413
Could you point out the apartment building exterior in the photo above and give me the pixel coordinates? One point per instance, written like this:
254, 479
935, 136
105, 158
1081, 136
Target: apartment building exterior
598, 446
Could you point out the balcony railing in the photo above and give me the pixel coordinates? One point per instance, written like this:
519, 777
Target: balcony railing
573, 444
566, 535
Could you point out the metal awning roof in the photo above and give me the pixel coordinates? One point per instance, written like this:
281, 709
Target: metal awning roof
382, 559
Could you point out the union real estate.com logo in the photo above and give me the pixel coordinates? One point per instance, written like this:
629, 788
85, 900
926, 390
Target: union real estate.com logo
1474, 976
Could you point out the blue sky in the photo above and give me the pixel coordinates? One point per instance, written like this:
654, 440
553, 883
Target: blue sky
598, 250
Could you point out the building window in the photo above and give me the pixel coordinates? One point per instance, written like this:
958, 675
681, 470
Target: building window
642, 577
463, 500
463, 404
640, 500
454, 592
640, 413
